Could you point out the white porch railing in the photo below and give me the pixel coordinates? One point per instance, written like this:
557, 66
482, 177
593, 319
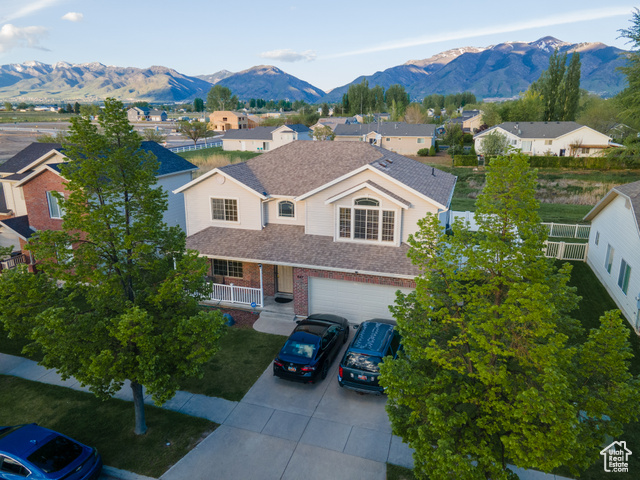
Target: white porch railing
13, 262
566, 251
568, 231
234, 294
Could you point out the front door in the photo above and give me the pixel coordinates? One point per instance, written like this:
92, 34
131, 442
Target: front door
284, 276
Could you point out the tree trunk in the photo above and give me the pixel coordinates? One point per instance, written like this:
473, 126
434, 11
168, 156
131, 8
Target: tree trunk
138, 405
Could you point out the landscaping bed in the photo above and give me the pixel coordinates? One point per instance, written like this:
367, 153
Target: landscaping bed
106, 425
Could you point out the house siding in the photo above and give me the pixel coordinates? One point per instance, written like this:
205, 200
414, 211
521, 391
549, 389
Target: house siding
322, 220
615, 225
14, 198
198, 205
271, 212
175, 214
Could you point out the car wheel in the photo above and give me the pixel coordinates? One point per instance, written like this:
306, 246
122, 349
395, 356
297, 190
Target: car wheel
325, 370
346, 335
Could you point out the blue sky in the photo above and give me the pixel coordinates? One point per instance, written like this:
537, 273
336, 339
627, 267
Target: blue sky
327, 43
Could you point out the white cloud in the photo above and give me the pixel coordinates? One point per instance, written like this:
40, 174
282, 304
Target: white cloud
288, 55
550, 21
28, 9
73, 16
14, 37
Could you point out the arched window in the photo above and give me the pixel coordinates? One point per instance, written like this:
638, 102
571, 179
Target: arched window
366, 202
286, 209
366, 221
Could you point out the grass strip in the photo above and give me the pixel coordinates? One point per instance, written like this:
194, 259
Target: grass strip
106, 425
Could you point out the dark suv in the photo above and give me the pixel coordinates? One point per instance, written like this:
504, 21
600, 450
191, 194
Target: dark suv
359, 369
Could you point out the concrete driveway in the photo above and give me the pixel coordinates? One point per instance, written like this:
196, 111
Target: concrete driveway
285, 430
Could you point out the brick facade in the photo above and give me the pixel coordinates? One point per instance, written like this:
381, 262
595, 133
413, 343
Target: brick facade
35, 197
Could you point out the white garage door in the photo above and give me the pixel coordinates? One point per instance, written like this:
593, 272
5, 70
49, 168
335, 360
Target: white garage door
353, 300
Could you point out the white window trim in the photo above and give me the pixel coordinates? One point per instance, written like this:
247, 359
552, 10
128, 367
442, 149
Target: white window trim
295, 209
50, 200
396, 223
224, 222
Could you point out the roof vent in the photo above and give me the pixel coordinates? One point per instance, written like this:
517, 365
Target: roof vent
433, 171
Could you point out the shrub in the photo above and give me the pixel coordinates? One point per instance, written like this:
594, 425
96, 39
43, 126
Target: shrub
433, 151
465, 161
423, 152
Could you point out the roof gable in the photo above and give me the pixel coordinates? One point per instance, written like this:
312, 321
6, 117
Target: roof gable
631, 191
534, 130
388, 129
27, 156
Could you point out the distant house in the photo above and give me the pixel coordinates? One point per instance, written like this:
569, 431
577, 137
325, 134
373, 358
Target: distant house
549, 138
143, 114
469, 120
332, 122
224, 120
399, 137
254, 121
29, 178
614, 247
373, 117
263, 139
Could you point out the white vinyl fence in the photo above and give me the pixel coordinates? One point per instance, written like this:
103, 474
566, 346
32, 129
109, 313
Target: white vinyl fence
564, 230
234, 294
566, 251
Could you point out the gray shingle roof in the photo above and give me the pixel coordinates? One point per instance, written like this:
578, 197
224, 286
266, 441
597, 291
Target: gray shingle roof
27, 155
393, 129
298, 127
169, 162
537, 129
318, 163
258, 133
20, 225
288, 244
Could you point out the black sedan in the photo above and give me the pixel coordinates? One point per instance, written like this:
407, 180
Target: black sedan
311, 348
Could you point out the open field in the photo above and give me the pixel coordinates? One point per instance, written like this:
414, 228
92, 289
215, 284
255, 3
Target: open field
211, 158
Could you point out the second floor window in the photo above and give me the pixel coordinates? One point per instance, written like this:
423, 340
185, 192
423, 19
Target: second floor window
224, 209
55, 210
366, 221
286, 209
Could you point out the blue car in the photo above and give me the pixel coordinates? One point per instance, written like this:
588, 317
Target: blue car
39, 453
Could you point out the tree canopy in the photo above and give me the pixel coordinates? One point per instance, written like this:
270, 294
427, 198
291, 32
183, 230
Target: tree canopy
494, 144
221, 98
559, 87
495, 370
629, 98
116, 296
194, 130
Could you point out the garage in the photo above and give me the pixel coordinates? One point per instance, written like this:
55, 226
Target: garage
353, 300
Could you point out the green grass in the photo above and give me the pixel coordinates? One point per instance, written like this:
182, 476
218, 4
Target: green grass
549, 212
33, 117
244, 354
107, 425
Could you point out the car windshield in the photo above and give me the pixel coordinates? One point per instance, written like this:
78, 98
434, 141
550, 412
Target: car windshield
299, 349
360, 361
55, 454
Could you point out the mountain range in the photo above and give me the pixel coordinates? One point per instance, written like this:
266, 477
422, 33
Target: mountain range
497, 71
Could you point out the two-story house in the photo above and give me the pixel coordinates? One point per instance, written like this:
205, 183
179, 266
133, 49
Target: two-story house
31, 176
263, 139
225, 120
323, 223
549, 138
399, 137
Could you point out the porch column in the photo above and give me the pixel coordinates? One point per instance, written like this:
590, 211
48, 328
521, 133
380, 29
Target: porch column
261, 289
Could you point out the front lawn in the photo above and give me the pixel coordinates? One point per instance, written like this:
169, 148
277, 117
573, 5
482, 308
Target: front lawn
107, 425
244, 354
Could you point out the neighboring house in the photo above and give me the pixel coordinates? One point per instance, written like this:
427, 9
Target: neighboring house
324, 223
372, 117
225, 120
469, 120
143, 114
263, 139
614, 247
333, 122
400, 137
549, 138
34, 173
253, 121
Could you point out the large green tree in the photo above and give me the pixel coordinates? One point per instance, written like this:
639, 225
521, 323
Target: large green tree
495, 369
559, 87
221, 98
194, 130
494, 144
629, 98
123, 303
